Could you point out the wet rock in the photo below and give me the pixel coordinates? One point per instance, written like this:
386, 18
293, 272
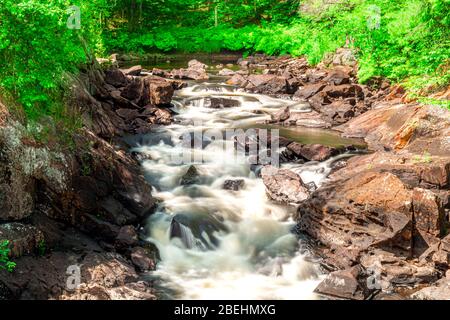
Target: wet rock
141, 259
234, 185
23, 239
344, 284
220, 103
161, 73
161, 116
197, 230
284, 186
116, 78
192, 176
312, 152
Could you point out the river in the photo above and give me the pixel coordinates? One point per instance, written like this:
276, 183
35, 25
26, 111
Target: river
226, 244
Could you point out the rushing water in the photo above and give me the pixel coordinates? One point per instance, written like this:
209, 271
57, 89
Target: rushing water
216, 243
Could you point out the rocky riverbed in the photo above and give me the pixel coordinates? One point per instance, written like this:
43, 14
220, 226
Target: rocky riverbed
375, 223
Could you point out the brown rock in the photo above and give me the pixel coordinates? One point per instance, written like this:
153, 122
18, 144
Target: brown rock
339, 76
128, 114
134, 90
344, 284
309, 90
312, 152
127, 237
281, 115
141, 260
161, 92
428, 212
283, 185
133, 71
116, 78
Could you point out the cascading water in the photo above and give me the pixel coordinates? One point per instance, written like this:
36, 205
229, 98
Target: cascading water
216, 243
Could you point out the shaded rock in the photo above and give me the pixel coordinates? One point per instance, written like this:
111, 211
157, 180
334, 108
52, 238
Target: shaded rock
234, 185
134, 91
116, 78
115, 212
104, 276
141, 260
192, 176
220, 103
161, 92
128, 114
127, 237
283, 185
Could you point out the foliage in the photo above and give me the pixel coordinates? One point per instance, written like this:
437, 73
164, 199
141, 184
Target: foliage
5, 263
410, 40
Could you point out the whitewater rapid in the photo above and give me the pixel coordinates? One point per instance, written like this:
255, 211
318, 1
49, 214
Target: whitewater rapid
254, 253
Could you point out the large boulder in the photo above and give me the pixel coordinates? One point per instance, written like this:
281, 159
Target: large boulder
116, 78
267, 83
284, 186
360, 211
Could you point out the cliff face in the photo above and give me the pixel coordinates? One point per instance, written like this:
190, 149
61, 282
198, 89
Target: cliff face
82, 208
